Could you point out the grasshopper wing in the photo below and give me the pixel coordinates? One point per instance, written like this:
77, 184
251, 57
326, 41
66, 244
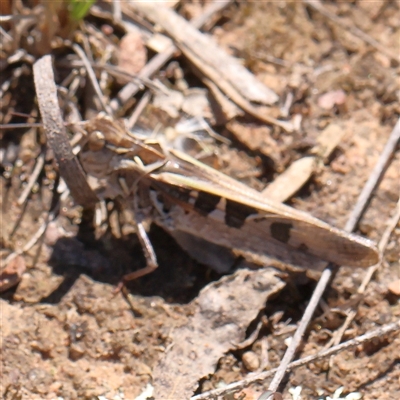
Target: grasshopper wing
213, 206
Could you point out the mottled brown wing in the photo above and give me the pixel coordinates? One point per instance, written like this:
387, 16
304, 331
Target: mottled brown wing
215, 207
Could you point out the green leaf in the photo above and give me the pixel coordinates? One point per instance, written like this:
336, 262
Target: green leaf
78, 8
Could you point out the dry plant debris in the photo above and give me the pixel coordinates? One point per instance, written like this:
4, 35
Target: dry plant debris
325, 78
221, 314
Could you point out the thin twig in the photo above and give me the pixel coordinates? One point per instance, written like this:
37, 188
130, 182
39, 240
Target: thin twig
110, 69
362, 203
92, 77
32, 179
212, 63
116, 7
326, 275
318, 6
21, 125
375, 177
305, 320
6, 39
5, 86
28, 125
258, 377
35, 237
139, 109
9, 18
391, 225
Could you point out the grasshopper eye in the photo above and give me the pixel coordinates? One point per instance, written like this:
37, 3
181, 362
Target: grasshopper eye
96, 141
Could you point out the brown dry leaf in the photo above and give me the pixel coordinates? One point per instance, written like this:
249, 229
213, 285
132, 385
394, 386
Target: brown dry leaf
291, 181
12, 273
223, 311
132, 56
330, 99
225, 70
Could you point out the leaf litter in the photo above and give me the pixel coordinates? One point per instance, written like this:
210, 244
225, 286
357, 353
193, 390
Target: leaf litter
65, 335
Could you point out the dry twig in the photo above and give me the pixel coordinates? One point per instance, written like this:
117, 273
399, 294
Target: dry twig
375, 177
32, 179
391, 225
142, 103
212, 62
160, 59
259, 377
92, 77
326, 275
35, 237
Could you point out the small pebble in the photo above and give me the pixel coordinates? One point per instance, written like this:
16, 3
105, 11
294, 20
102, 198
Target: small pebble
76, 351
394, 287
250, 361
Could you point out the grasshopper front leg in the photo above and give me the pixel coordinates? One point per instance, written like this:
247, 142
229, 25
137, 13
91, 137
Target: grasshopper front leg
148, 250
140, 217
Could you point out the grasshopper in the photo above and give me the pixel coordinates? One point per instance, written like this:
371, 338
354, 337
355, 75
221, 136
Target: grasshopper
181, 194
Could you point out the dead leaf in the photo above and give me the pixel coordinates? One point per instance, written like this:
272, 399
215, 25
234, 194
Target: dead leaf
212, 62
212, 58
290, 181
222, 313
12, 273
